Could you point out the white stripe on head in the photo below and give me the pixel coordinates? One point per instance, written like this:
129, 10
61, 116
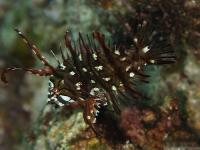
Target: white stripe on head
65, 98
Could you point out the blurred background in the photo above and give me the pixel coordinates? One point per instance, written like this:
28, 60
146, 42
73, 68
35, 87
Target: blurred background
25, 120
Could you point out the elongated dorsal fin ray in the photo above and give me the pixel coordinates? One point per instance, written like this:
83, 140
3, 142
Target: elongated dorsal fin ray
35, 50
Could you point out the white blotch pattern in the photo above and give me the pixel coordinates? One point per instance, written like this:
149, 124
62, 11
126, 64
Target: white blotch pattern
106, 79
123, 58
72, 73
114, 88
152, 61
145, 49
117, 52
80, 57
65, 98
62, 66
131, 74
128, 68
98, 68
59, 103
78, 85
94, 56
84, 69
94, 121
135, 40
96, 89
92, 81
88, 117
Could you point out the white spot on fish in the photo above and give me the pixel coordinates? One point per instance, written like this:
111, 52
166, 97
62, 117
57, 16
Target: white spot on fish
98, 68
72, 73
92, 81
62, 66
94, 56
105, 104
84, 69
117, 52
78, 88
92, 92
80, 57
145, 49
123, 58
114, 88
71, 100
96, 112
65, 98
106, 79
88, 117
152, 61
59, 103
132, 74
96, 89
94, 120
121, 84
128, 68
135, 40
78, 85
